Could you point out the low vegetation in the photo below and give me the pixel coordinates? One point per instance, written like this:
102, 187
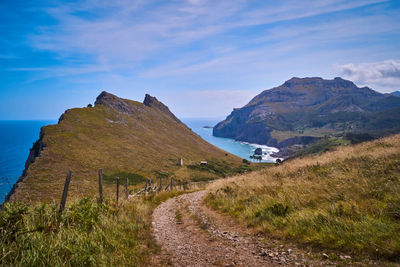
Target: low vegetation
144, 142
133, 178
346, 200
85, 234
321, 146
223, 170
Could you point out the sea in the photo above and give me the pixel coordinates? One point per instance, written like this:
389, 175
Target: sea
241, 149
17, 137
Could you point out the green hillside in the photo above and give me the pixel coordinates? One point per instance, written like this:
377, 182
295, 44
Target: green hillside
304, 110
124, 138
345, 201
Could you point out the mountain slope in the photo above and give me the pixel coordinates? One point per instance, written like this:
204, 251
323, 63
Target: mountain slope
303, 110
346, 201
125, 138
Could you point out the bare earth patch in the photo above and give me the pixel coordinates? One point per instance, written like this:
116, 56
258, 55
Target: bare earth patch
194, 235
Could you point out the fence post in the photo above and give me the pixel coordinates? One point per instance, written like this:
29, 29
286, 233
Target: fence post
65, 192
160, 184
117, 189
126, 188
149, 184
100, 186
172, 184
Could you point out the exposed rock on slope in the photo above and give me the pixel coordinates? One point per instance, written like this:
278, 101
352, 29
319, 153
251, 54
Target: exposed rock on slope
303, 110
122, 137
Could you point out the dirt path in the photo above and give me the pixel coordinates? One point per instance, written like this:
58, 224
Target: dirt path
193, 235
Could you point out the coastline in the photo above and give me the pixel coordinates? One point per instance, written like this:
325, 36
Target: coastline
34, 152
236, 147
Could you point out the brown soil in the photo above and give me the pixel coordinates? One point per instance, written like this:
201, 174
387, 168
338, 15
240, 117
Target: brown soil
193, 235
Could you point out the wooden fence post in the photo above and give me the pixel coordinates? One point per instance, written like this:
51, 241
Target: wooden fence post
168, 185
65, 192
100, 186
172, 184
160, 184
117, 189
126, 188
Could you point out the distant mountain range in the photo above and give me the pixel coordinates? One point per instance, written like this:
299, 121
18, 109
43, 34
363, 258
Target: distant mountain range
396, 93
304, 110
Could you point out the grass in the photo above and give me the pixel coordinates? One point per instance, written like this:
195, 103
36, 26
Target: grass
321, 146
146, 143
86, 234
204, 225
223, 170
133, 178
346, 200
178, 216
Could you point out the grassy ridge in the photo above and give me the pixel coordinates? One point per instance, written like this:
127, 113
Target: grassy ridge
140, 144
346, 200
86, 234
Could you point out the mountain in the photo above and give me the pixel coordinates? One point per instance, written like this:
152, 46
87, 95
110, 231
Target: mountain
304, 110
123, 137
396, 93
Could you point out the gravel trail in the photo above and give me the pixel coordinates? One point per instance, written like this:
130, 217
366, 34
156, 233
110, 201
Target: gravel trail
183, 229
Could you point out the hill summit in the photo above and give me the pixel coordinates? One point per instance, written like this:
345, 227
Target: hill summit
303, 110
123, 137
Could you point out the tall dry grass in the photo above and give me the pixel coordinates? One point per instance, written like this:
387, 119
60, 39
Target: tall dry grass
346, 200
86, 234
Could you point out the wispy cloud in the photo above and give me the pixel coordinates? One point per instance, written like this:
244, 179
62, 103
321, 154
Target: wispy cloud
130, 34
192, 53
382, 76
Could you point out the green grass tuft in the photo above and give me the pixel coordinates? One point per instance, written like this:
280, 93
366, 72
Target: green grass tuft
85, 234
346, 200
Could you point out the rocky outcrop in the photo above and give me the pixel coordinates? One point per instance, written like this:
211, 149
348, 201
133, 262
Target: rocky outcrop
258, 151
124, 106
114, 102
153, 102
309, 103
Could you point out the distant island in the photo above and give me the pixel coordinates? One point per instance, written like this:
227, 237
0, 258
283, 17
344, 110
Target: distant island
208, 127
304, 111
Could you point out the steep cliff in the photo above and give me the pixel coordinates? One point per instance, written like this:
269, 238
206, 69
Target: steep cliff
303, 110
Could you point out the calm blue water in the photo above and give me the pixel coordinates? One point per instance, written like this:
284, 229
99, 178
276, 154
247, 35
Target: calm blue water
16, 138
240, 149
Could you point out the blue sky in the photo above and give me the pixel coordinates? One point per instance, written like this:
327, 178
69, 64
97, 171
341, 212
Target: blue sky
200, 57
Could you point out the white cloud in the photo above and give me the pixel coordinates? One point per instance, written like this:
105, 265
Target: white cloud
382, 76
128, 33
